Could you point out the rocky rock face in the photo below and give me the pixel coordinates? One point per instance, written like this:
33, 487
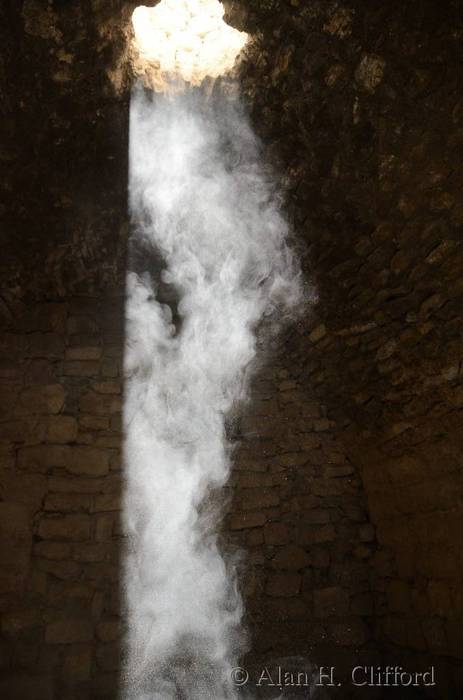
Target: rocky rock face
347, 491
361, 108
60, 485
299, 512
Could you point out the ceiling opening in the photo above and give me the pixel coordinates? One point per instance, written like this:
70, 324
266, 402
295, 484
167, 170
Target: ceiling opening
184, 41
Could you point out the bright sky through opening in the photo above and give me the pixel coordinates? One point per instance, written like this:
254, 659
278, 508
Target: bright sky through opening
186, 39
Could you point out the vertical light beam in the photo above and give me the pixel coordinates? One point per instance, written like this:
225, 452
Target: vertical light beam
204, 227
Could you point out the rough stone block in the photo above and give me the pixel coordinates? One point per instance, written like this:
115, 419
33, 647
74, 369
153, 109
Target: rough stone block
94, 422
78, 663
80, 369
69, 527
362, 604
16, 622
65, 570
67, 502
245, 520
28, 489
287, 385
319, 558
329, 487
254, 480
12, 344
100, 404
439, 635
13, 431
88, 461
276, 534
70, 484
318, 333
15, 525
257, 426
110, 368
406, 470
254, 538
15, 545
46, 345
106, 685
284, 609
109, 656
61, 429
52, 550
115, 462
48, 398
32, 687
68, 594
316, 516
77, 325
7, 457
114, 345
284, 585
107, 387
110, 442
317, 535
362, 551
306, 501
330, 602
106, 502
354, 512
309, 442
84, 354
290, 557
293, 459
41, 458
322, 425
248, 460
108, 630
440, 599
9, 402
367, 533
104, 527
44, 317
258, 498
339, 471
91, 552
69, 630
353, 633
40, 371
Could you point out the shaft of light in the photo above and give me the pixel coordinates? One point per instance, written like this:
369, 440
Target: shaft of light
199, 198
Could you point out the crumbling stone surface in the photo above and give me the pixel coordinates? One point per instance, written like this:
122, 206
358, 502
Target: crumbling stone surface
63, 158
360, 107
299, 511
60, 489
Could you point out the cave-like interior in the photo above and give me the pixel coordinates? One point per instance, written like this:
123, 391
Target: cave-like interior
346, 495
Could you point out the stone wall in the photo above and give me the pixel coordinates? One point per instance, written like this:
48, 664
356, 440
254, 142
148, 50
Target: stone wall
346, 496
60, 485
361, 106
298, 511
299, 514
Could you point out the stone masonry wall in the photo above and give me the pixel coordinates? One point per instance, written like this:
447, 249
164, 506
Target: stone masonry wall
298, 510
360, 104
299, 513
60, 485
